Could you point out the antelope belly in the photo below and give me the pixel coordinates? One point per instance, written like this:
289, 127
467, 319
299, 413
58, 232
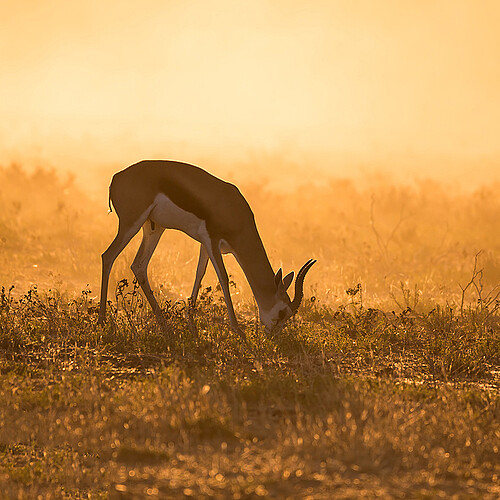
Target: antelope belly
167, 214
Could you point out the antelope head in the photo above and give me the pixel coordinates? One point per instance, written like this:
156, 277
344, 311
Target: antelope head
284, 308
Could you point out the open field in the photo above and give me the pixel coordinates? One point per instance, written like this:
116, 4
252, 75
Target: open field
385, 384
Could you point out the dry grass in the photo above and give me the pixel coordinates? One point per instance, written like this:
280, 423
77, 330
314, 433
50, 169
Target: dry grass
389, 390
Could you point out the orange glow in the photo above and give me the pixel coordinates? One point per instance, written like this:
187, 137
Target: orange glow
408, 86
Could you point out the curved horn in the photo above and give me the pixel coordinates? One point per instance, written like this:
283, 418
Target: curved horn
299, 284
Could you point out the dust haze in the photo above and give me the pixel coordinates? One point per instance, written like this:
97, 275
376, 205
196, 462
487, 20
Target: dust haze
389, 237
281, 89
364, 136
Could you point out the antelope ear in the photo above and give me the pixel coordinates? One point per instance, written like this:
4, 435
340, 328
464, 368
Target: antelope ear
287, 280
278, 278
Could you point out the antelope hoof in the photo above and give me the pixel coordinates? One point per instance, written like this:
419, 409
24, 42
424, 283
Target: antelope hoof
164, 326
236, 329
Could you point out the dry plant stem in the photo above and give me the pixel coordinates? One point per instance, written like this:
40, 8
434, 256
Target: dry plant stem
476, 281
384, 244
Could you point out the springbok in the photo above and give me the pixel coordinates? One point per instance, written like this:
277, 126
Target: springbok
161, 194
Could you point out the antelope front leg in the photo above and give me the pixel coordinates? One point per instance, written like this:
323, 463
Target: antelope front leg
216, 258
200, 272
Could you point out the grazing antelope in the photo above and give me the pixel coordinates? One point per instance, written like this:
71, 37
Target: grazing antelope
158, 195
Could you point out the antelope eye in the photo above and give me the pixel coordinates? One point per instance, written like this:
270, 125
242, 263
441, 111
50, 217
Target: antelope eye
281, 314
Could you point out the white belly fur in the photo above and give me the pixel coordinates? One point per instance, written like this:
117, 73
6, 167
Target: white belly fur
167, 214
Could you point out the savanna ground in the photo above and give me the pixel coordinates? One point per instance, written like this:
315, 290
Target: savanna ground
385, 384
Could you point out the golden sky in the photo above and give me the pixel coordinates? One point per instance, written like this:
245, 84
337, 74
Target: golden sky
340, 82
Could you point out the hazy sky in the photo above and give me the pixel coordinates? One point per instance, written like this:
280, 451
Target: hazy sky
86, 83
